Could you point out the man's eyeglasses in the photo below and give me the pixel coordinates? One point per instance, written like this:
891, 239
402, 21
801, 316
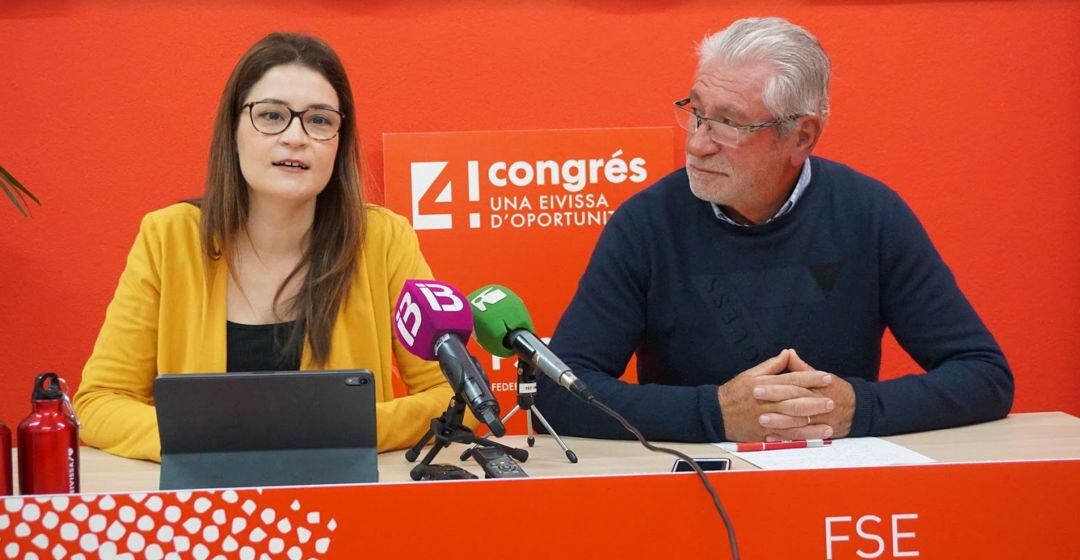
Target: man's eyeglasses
721, 131
269, 117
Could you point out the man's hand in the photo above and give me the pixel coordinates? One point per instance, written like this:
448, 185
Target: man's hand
781, 425
788, 404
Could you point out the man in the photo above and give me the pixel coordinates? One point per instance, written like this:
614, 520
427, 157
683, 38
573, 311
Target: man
755, 284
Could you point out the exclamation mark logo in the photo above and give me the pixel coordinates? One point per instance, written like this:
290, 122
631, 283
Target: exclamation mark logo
474, 192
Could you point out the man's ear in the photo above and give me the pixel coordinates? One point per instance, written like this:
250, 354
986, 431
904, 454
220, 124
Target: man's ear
806, 136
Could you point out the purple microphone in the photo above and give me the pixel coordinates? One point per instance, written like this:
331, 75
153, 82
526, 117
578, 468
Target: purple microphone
433, 322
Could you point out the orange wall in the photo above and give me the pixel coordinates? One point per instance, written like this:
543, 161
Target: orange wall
968, 109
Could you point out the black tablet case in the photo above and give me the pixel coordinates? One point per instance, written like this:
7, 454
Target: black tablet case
266, 429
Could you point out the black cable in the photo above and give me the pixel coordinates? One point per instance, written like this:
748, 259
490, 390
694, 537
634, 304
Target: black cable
684, 457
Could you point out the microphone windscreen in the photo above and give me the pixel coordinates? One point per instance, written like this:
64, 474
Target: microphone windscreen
497, 311
425, 311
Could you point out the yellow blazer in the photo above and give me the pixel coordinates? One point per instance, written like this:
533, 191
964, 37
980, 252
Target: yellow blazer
168, 316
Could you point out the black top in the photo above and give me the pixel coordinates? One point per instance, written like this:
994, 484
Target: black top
260, 348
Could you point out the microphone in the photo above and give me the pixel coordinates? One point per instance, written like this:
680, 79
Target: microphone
433, 323
503, 328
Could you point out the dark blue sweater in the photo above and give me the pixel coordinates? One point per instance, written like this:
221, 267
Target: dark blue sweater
699, 300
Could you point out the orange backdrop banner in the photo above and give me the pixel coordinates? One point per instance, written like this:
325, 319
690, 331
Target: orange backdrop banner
519, 208
111, 104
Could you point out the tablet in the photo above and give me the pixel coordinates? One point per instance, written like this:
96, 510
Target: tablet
266, 429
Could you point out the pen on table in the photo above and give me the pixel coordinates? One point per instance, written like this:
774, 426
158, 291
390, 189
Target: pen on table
772, 445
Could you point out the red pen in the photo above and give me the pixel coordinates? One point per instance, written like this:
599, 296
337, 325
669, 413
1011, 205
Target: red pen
772, 445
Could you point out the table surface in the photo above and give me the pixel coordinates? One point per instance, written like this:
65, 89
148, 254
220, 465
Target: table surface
1032, 436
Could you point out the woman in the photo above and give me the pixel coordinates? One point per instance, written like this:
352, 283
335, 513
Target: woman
278, 267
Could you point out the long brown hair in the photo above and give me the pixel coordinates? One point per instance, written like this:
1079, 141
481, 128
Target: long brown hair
330, 258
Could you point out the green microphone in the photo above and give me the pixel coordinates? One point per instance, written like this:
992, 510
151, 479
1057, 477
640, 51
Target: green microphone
496, 312
503, 327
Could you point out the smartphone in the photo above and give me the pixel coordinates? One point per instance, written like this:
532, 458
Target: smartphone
710, 464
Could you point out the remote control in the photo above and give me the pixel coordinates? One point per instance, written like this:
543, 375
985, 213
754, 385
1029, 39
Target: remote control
497, 464
443, 471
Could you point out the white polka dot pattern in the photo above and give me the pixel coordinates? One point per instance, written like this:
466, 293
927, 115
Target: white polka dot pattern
246, 524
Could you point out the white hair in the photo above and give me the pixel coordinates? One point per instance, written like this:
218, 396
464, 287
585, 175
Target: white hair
799, 84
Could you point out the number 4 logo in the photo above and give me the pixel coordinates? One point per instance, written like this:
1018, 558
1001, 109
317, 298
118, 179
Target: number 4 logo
433, 188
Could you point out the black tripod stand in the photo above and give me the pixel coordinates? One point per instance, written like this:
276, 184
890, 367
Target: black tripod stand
526, 399
447, 429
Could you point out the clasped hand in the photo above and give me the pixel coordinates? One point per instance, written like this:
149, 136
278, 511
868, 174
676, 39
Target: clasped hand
784, 398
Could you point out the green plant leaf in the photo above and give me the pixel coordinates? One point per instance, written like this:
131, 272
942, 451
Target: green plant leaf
13, 200
18, 186
13, 188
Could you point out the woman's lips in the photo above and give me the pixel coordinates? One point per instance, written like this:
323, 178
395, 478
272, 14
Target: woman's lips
290, 166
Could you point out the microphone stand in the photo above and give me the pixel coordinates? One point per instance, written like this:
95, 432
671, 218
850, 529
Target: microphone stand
526, 399
447, 429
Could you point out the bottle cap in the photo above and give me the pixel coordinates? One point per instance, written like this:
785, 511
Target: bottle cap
51, 391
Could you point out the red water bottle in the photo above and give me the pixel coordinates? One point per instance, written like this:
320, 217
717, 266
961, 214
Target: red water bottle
49, 441
5, 460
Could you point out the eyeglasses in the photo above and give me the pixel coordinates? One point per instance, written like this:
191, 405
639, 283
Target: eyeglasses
721, 131
270, 118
